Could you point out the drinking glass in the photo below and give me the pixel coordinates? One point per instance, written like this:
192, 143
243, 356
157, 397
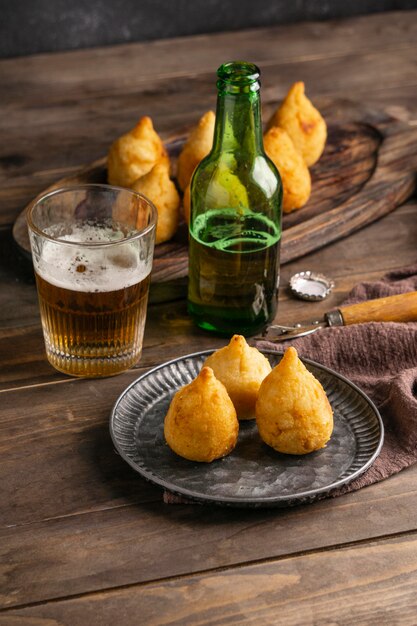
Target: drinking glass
92, 249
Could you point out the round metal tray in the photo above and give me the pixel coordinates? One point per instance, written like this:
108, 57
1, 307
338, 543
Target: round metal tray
253, 475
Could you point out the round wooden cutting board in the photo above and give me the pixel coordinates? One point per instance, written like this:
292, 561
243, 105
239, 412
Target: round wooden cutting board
368, 169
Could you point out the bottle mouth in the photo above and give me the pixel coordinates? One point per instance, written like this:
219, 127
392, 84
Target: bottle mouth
239, 74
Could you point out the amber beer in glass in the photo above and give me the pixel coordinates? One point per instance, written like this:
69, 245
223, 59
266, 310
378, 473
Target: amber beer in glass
92, 249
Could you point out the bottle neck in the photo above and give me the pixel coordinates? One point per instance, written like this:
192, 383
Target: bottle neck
238, 126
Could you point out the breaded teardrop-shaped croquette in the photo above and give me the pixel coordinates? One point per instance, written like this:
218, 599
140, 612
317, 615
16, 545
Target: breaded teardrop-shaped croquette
293, 413
201, 423
303, 123
241, 369
296, 180
159, 188
196, 148
134, 154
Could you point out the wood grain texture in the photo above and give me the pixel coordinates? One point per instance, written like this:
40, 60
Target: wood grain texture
79, 524
148, 540
402, 308
362, 584
131, 63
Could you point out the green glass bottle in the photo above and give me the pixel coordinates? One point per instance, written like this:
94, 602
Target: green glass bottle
235, 221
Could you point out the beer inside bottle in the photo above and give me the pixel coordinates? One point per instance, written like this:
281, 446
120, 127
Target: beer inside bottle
235, 222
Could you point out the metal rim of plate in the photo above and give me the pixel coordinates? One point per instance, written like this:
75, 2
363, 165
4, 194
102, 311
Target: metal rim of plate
162, 381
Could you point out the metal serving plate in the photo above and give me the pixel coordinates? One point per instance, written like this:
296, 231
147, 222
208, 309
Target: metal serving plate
253, 475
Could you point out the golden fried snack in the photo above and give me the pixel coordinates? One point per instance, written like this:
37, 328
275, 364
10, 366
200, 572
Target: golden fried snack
293, 413
134, 154
303, 123
196, 148
296, 180
241, 369
159, 188
201, 423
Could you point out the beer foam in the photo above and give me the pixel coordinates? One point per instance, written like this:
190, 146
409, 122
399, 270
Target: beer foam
92, 269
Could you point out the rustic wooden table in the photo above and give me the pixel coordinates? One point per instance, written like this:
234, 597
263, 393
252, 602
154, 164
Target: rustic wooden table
84, 540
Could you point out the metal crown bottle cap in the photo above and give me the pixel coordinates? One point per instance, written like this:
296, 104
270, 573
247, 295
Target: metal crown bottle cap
310, 286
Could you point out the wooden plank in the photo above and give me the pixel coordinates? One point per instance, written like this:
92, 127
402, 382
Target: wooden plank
87, 96
17, 285
57, 456
369, 585
363, 584
151, 541
99, 68
120, 106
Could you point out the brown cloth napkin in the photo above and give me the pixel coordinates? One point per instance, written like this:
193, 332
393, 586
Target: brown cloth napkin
381, 358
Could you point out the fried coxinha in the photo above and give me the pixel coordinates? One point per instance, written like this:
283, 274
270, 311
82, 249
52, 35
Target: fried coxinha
293, 413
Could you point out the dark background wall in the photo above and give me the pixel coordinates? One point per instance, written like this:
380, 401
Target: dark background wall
32, 26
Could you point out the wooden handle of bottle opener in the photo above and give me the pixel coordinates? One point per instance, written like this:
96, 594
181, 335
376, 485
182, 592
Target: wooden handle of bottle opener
401, 308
